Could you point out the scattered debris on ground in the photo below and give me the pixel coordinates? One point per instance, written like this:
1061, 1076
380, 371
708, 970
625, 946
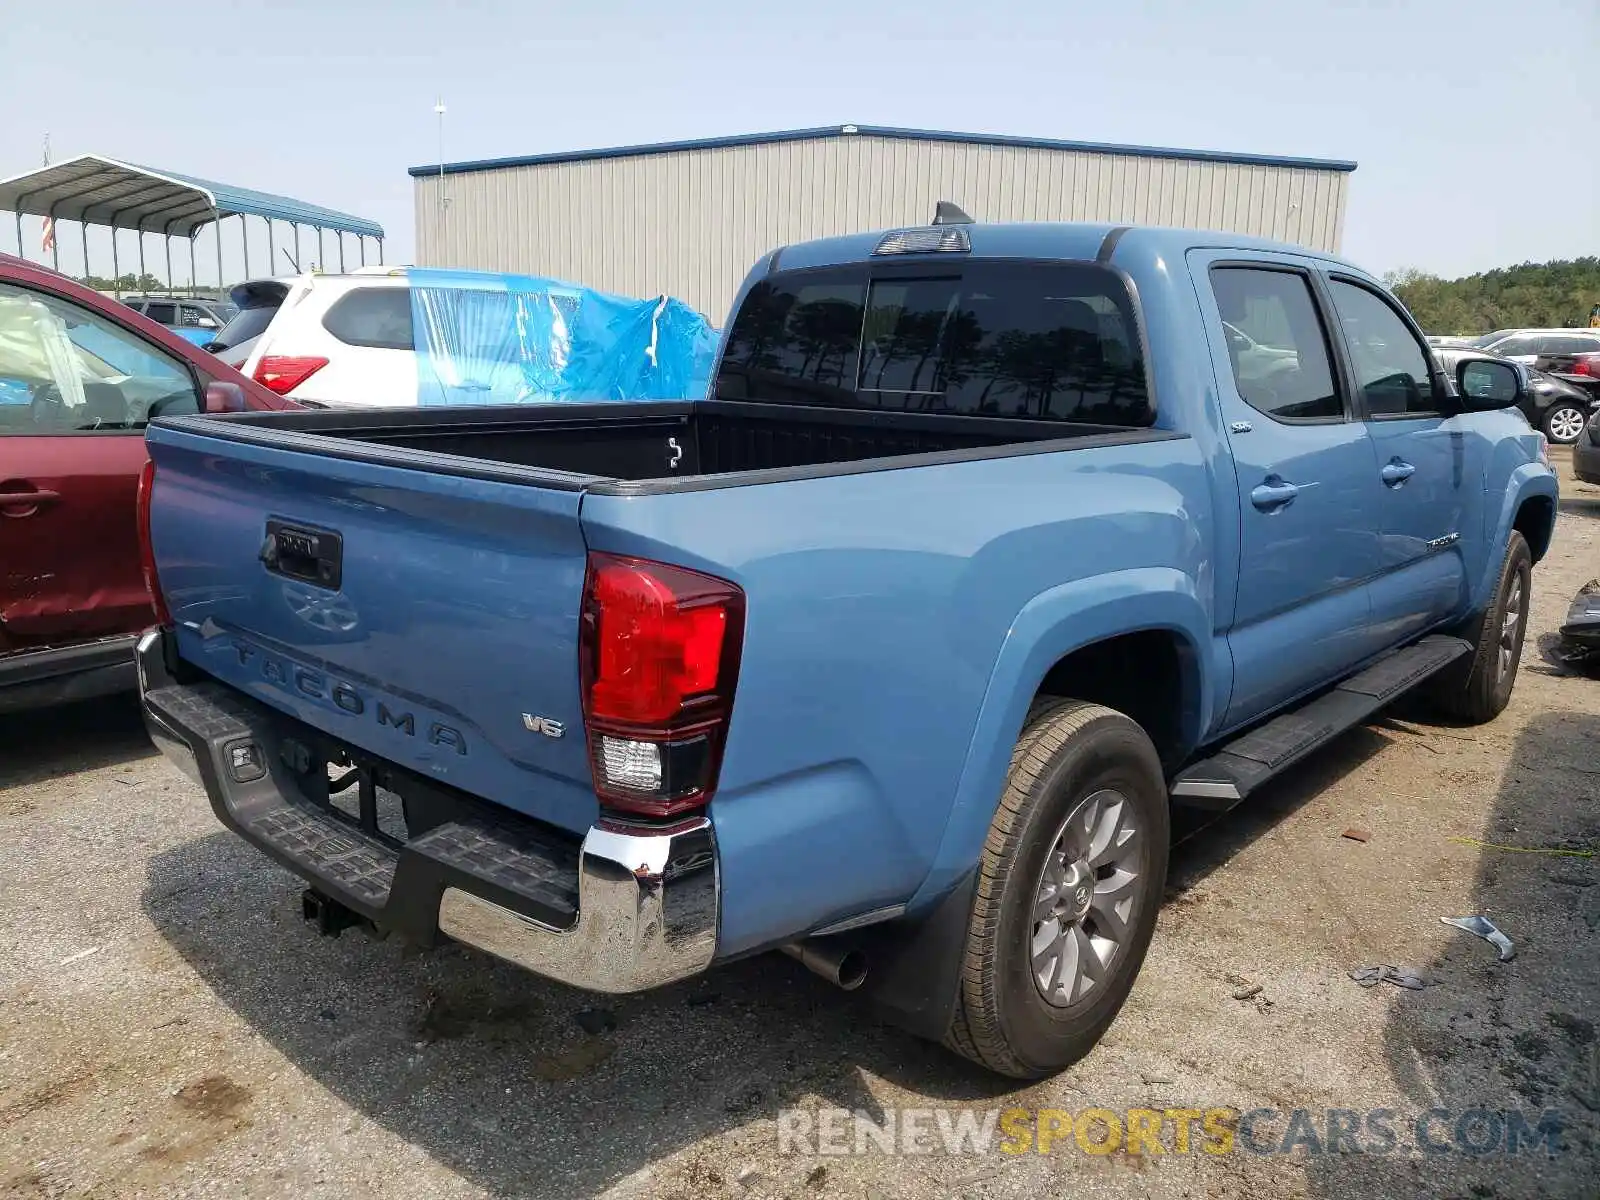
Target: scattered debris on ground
1481, 926
1410, 978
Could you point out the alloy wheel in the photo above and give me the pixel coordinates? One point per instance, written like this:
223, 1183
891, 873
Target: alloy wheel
1087, 896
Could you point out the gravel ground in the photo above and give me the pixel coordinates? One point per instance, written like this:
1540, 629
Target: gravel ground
168, 1024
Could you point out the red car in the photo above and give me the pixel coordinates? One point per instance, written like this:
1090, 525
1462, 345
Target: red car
1581, 368
80, 377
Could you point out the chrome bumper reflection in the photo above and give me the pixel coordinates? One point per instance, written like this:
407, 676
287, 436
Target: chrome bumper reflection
147, 657
647, 913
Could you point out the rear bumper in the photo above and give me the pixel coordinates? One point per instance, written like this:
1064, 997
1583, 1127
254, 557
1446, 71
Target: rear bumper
626, 909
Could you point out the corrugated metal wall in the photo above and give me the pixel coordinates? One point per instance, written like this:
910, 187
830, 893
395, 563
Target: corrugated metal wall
691, 223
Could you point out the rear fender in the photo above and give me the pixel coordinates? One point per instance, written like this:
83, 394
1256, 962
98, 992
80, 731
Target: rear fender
1051, 626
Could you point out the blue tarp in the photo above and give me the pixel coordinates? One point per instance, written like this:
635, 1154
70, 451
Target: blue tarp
484, 338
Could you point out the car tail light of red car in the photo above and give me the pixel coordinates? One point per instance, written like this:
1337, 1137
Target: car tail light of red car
147, 555
282, 373
1587, 364
660, 658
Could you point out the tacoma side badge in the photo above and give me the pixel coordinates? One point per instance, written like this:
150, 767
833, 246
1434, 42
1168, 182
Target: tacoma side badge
544, 725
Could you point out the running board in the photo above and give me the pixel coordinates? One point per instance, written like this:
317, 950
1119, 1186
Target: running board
1227, 777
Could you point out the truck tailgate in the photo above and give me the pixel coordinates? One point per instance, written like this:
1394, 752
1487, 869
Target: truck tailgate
418, 616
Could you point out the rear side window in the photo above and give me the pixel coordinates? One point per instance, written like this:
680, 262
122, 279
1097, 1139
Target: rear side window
379, 318
1047, 341
1277, 348
1569, 344
161, 313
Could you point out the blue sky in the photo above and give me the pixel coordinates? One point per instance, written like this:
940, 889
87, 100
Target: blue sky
1473, 122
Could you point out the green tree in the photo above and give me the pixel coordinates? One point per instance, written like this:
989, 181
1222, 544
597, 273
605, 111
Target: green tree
1552, 294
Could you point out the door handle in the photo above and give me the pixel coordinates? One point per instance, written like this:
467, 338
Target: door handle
1273, 493
1395, 472
25, 504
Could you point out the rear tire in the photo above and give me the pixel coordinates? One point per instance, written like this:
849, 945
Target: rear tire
1477, 689
1563, 423
1069, 884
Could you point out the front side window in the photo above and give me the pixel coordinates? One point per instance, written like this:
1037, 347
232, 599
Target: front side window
1277, 348
1391, 368
1514, 345
1041, 341
64, 369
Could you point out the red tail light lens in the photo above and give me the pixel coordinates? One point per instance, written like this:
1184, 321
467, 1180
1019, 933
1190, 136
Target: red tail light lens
660, 659
147, 556
1586, 365
282, 373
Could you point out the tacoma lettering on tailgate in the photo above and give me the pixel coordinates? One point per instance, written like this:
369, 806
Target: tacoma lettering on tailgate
293, 677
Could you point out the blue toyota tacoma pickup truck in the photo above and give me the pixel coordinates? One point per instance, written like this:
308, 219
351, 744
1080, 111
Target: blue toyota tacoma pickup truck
989, 545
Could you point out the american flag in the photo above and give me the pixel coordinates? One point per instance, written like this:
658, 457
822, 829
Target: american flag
47, 238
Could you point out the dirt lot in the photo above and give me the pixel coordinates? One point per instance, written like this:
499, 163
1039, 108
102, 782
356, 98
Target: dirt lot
168, 1025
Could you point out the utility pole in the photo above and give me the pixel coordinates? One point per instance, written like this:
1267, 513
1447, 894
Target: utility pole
438, 241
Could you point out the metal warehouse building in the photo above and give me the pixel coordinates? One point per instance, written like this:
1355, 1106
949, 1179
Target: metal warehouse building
689, 218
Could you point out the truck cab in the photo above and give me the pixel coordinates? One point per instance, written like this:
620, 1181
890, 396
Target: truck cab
989, 546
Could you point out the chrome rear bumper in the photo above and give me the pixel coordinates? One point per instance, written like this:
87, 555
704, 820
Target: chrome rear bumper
647, 914
635, 908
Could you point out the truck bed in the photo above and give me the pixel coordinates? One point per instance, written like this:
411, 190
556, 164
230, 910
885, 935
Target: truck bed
634, 448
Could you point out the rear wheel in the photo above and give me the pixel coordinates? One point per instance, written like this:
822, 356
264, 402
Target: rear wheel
1563, 423
1477, 689
1068, 888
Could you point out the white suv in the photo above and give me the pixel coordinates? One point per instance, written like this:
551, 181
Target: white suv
1526, 346
340, 341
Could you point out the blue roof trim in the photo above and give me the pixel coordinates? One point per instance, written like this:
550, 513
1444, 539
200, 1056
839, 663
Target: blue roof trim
233, 200
882, 131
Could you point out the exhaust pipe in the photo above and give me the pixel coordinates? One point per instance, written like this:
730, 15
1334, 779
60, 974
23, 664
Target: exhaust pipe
843, 966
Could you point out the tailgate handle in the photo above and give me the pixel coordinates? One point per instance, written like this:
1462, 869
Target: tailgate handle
312, 556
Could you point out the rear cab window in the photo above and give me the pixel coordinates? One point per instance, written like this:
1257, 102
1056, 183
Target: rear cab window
983, 338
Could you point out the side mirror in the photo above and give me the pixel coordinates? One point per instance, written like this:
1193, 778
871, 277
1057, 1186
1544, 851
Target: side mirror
1484, 384
223, 397
206, 323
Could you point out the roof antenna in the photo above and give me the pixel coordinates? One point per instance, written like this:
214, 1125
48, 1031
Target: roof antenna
947, 212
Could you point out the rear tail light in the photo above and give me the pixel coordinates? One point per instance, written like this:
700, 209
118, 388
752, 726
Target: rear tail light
147, 555
1586, 365
282, 373
660, 648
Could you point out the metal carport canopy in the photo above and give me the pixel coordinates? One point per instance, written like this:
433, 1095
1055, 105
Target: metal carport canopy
102, 191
